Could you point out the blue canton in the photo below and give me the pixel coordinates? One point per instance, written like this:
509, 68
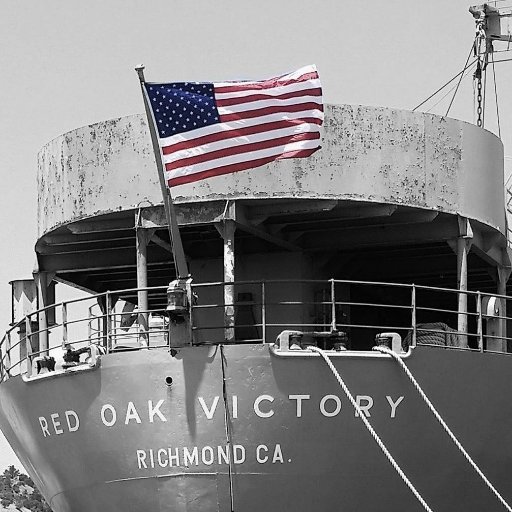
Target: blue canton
182, 107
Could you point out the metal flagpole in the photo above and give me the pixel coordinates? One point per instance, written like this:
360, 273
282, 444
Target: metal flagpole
174, 232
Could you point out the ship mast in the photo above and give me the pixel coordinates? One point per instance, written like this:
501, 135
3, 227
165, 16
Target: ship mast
493, 25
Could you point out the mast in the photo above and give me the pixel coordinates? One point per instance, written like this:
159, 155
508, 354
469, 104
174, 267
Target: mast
493, 24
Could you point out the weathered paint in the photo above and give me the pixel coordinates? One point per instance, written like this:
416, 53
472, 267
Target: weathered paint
368, 154
326, 458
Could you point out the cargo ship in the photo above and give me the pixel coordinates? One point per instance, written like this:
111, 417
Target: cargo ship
342, 342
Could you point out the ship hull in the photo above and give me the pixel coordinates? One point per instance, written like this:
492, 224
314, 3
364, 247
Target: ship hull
241, 428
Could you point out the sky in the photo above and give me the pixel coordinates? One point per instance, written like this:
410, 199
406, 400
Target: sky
67, 64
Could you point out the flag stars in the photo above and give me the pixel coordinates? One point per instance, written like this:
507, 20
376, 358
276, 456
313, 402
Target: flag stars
181, 107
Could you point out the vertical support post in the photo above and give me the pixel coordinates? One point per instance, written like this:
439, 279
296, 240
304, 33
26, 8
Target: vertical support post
108, 322
462, 285
479, 327
413, 314
28, 345
333, 306
42, 287
464, 241
263, 313
7, 359
142, 284
65, 325
229, 277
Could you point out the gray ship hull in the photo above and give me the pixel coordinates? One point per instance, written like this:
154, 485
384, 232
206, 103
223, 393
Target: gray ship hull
279, 433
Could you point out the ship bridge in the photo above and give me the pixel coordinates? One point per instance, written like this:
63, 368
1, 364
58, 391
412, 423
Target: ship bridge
389, 197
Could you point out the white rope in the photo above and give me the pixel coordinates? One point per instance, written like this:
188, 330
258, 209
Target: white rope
394, 355
370, 428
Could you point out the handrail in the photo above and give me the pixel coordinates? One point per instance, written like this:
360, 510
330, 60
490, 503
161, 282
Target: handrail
317, 305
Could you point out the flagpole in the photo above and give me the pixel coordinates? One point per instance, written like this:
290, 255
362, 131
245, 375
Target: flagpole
170, 214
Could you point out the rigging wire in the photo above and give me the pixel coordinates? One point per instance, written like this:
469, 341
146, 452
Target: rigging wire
447, 93
460, 80
496, 96
446, 84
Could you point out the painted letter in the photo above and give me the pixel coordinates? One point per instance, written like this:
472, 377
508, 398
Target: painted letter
238, 454
209, 412
131, 414
278, 454
190, 458
299, 399
207, 455
73, 414
174, 459
257, 406
44, 426
108, 407
235, 407
162, 463
141, 458
155, 411
259, 458
393, 404
223, 454
56, 423
337, 408
364, 408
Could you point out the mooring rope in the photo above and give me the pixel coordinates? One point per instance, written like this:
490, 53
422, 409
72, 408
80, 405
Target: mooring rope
374, 434
394, 355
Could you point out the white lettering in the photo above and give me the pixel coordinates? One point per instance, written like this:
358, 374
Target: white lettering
174, 460
366, 407
257, 406
162, 463
223, 454
44, 426
207, 460
261, 459
235, 407
131, 414
209, 412
238, 454
152, 411
56, 423
190, 458
394, 404
337, 407
141, 459
278, 455
74, 415
152, 458
299, 399
113, 413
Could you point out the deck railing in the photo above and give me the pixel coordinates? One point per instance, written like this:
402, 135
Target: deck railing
260, 312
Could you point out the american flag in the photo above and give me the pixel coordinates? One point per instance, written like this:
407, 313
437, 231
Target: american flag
208, 129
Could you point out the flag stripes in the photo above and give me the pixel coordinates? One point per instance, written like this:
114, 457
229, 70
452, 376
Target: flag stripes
244, 124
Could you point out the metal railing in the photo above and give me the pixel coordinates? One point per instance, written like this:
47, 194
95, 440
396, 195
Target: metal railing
261, 311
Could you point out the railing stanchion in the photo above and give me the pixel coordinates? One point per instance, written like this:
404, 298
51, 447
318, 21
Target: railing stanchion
413, 314
333, 306
108, 319
479, 329
263, 313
